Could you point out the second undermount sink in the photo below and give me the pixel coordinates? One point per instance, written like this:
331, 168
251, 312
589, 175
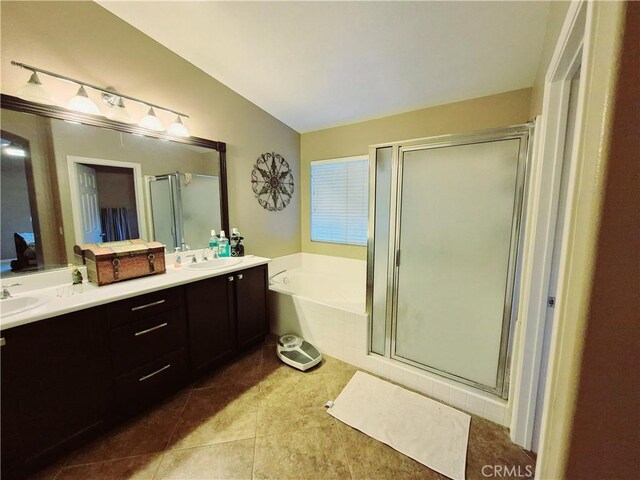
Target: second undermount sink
215, 263
13, 305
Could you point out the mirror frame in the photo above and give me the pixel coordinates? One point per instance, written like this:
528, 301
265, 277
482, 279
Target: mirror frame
11, 102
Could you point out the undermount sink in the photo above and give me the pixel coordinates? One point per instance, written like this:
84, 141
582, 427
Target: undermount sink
215, 263
13, 305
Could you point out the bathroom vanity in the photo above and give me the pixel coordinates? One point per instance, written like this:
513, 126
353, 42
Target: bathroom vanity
67, 376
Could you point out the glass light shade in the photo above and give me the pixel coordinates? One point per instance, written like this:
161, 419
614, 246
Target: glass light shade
119, 113
177, 129
152, 122
33, 91
82, 103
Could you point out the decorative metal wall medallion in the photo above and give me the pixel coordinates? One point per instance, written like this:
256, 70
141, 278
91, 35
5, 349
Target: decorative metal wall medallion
272, 182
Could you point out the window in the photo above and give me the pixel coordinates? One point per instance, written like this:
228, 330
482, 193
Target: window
340, 200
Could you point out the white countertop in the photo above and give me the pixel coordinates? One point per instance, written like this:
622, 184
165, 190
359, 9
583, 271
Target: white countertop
61, 299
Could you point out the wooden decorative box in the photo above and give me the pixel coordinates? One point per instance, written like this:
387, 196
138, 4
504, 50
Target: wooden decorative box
116, 261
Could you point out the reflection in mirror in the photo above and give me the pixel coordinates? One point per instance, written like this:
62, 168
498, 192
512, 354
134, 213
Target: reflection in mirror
190, 200
19, 250
79, 184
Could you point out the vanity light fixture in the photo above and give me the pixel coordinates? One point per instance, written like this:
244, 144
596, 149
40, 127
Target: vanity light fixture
14, 151
178, 129
82, 103
116, 110
152, 122
34, 91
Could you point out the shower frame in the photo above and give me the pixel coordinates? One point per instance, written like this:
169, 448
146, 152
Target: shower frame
175, 195
524, 133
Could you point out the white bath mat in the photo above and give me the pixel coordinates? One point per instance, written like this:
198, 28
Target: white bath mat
423, 429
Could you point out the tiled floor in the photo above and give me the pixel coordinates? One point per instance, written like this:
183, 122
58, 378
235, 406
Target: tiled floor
258, 418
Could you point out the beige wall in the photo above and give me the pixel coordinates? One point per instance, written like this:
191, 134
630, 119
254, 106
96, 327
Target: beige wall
494, 111
104, 50
592, 396
555, 19
608, 404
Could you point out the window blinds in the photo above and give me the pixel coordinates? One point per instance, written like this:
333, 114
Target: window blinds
340, 201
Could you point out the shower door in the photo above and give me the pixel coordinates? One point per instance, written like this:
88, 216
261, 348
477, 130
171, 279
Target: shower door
452, 251
164, 213
184, 208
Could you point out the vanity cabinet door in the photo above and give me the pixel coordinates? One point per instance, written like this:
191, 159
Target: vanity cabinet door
55, 384
211, 336
251, 306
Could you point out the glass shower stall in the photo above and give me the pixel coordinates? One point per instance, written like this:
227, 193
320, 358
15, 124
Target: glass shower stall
183, 208
444, 229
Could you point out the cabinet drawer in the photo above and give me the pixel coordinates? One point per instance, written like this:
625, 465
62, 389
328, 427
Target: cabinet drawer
142, 341
144, 306
151, 381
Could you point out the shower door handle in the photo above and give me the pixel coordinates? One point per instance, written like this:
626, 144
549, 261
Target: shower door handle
397, 258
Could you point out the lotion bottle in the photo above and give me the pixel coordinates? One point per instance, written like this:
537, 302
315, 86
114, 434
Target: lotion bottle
223, 245
213, 243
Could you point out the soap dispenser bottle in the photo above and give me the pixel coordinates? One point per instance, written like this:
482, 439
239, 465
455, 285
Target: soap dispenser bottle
223, 245
213, 243
177, 262
237, 249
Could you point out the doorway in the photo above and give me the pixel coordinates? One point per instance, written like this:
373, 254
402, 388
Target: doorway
105, 199
557, 246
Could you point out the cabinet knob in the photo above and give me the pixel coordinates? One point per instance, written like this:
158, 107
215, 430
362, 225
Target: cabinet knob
3, 342
230, 278
240, 276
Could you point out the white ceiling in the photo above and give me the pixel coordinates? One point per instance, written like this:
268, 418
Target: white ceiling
318, 64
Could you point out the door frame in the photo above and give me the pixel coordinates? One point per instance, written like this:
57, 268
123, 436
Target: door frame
73, 161
541, 211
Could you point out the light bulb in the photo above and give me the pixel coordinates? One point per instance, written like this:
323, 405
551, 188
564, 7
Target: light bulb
33, 91
152, 122
82, 103
15, 151
177, 128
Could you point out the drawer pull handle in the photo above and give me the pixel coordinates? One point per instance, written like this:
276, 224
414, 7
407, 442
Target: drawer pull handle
153, 374
142, 332
240, 277
230, 279
147, 305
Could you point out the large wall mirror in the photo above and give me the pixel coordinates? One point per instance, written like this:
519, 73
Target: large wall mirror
70, 178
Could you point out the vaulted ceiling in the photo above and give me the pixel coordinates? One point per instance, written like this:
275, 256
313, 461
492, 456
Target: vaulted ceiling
319, 64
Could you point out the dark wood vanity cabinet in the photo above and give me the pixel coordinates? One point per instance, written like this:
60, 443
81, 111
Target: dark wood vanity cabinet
55, 385
210, 315
226, 314
66, 377
148, 347
252, 323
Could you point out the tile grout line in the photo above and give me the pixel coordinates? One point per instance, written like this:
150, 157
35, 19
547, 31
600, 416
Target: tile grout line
344, 449
255, 437
173, 431
175, 426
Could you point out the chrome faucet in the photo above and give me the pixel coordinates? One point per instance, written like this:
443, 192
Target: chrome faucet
193, 258
275, 275
4, 293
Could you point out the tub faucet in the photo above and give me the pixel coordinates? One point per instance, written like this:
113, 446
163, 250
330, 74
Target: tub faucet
275, 275
5, 293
